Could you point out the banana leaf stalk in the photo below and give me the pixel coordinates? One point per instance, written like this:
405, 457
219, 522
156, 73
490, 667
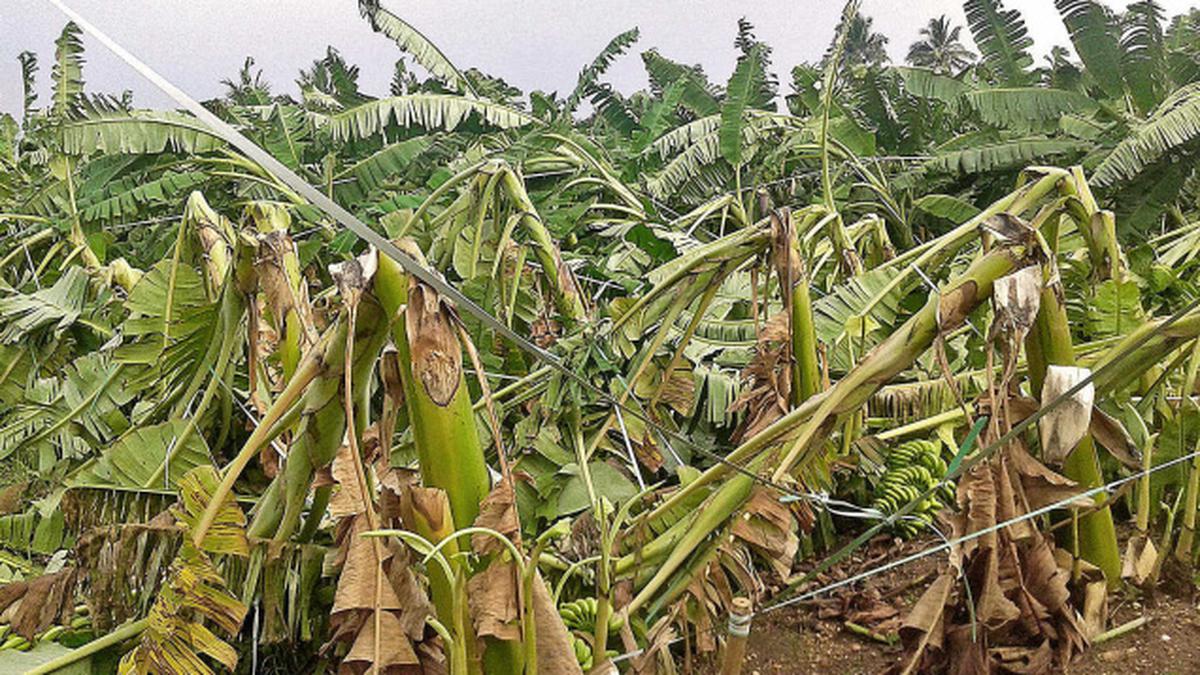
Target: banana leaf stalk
715, 512
307, 371
1049, 343
797, 301
599, 510
564, 287
1187, 534
435, 392
442, 420
322, 424
899, 351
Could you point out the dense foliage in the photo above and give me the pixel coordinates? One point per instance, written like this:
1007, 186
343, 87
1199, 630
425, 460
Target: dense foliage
763, 294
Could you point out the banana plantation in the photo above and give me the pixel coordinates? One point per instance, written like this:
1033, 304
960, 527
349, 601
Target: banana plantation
616, 366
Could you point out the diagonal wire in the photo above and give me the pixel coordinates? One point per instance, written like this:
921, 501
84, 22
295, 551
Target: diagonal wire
269, 163
947, 544
229, 134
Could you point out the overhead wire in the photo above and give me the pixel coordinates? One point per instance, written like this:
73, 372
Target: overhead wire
273, 166
226, 132
947, 544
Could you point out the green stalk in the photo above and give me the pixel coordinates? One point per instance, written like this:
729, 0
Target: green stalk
794, 281
715, 512
449, 452
25, 244
945, 310
1187, 535
735, 248
76, 236
892, 356
603, 580
307, 371
1143, 502
437, 194
116, 637
558, 275
447, 442
323, 424
1049, 343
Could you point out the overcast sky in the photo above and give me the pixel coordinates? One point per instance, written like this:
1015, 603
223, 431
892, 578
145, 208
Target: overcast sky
533, 44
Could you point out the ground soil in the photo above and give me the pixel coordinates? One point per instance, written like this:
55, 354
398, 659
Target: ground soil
813, 638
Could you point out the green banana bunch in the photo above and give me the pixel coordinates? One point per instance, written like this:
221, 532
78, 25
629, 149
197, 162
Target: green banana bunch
16, 642
56, 633
580, 615
913, 467
583, 652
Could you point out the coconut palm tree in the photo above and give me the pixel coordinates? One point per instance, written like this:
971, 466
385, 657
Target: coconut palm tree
863, 45
940, 49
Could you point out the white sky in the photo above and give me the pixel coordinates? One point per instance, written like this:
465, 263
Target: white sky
531, 43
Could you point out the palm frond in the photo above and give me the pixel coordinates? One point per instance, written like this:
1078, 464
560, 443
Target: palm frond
836, 313
704, 148
747, 79
146, 457
130, 197
1002, 38
613, 109
1175, 123
176, 638
68, 72
442, 112
1097, 39
373, 171
58, 306
1004, 154
29, 68
698, 97
1026, 108
590, 74
1144, 60
925, 83
948, 207
411, 41
139, 133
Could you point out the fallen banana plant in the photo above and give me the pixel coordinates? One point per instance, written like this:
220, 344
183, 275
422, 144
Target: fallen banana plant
233, 437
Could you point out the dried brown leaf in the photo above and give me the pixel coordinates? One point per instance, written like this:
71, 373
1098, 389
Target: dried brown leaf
768, 525
1112, 436
347, 499
494, 600
1140, 558
555, 653
357, 581
436, 353
396, 651
497, 512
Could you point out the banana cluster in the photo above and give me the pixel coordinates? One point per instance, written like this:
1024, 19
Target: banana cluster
580, 615
82, 622
913, 467
583, 652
